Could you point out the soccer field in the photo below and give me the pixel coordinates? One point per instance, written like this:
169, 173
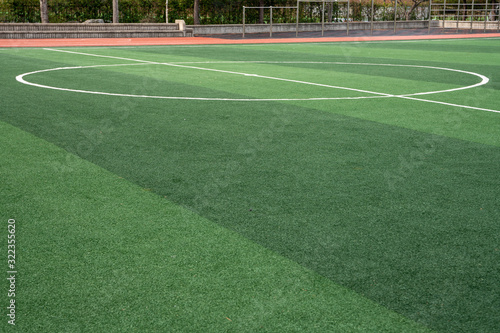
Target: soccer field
309, 187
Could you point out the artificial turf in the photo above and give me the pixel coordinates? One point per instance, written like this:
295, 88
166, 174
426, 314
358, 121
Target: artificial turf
96, 253
220, 213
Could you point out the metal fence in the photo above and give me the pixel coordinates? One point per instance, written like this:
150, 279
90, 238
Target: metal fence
141, 11
462, 15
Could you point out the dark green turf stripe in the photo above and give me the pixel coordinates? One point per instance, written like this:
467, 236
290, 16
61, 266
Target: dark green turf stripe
382, 210
96, 253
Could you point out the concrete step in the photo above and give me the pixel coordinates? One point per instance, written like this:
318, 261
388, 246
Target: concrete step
94, 34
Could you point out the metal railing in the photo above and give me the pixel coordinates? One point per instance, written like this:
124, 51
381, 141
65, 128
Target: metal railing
470, 16
485, 13
270, 16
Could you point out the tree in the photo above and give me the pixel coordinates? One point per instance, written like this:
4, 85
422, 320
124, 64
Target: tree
414, 5
44, 14
115, 12
196, 12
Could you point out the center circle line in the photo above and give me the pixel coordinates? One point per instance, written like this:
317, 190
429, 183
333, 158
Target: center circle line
21, 78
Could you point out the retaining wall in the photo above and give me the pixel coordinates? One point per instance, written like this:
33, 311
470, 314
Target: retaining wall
93, 30
180, 29
476, 25
291, 27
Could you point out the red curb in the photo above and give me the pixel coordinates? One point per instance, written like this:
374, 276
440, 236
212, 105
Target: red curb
211, 41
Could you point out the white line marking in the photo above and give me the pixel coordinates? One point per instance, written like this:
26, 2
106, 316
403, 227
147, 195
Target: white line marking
101, 56
483, 81
449, 104
483, 78
20, 78
228, 72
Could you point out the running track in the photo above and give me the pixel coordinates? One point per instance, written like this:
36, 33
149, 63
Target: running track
212, 41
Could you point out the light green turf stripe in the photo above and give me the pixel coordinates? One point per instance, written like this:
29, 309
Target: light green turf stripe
96, 253
441, 119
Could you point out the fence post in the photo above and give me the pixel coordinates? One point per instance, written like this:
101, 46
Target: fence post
472, 16
395, 14
371, 24
323, 19
485, 15
166, 11
458, 14
297, 27
444, 13
271, 21
243, 22
430, 16
348, 15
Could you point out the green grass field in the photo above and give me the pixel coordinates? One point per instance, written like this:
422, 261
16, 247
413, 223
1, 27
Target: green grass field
330, 187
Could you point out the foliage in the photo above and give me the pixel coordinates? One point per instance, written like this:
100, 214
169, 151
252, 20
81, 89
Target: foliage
19, 11
211, 11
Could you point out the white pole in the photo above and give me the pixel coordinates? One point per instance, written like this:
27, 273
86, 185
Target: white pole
485, 16
472, 16
243, 22
395, 14
348, 13
444, 13
430, 17
323, 20
371, 23
271, 21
